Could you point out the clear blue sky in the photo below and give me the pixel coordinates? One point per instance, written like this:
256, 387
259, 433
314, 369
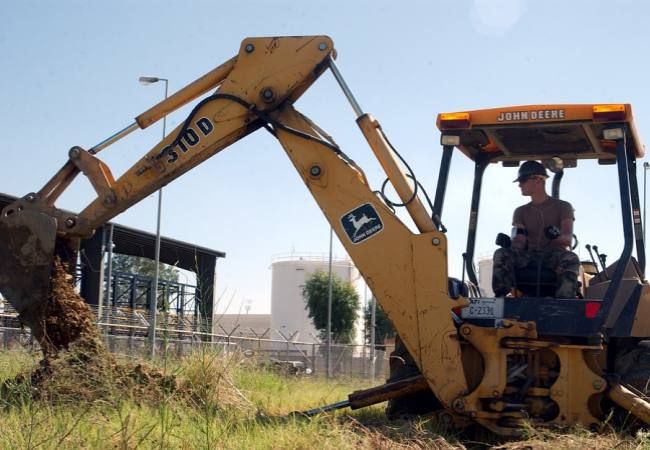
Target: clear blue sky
69, 77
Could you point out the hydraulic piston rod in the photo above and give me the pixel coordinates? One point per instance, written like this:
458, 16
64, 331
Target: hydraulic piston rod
372, 132
372, 396
629, 401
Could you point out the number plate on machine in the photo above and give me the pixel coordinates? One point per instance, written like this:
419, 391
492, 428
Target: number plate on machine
483, 308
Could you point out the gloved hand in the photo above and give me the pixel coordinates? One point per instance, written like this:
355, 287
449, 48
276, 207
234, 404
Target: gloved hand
552, 232
503, 240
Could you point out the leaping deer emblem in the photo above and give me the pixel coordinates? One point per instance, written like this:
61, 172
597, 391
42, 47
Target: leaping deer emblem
357, 224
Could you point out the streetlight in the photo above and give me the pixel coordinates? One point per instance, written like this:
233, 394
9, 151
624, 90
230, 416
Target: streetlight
154, 301
329, 310
646, 165
373, 337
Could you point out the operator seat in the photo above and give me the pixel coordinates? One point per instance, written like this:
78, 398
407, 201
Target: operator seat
535, 280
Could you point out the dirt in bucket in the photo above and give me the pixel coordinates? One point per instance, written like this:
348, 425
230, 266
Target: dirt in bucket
66, 320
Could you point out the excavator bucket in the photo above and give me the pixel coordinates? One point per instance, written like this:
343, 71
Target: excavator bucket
27, 245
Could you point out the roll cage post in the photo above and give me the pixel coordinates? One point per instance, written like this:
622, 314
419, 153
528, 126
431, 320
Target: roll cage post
441, 188
479, 169
443, 176
636, 212
632, 227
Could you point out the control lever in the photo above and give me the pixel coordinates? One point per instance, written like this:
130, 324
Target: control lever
602, 257
593, 260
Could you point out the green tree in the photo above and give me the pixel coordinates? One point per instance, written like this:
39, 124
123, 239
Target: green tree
143, 266
345, 304
383, 326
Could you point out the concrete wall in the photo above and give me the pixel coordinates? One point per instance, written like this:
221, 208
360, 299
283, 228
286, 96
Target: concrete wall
249, 325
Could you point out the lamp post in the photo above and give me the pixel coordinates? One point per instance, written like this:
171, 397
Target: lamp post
646, 166
329, 311
154, 300
373, 337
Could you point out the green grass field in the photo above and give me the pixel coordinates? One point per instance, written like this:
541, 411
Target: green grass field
228, 403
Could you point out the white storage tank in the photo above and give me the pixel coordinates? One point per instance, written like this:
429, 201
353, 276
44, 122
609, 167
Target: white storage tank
288, 313
485, 276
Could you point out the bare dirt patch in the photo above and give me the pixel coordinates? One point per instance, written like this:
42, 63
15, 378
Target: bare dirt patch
76, 366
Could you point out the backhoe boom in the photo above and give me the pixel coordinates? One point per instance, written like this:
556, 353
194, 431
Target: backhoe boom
535, 360
406, 271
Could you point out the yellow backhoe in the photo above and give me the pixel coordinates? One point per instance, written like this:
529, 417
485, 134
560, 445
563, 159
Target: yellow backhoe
498, 362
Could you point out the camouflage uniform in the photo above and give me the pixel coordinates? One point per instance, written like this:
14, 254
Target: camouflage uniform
564, 262
540, 223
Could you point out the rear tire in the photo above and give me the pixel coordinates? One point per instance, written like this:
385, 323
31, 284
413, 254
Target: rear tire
633, 367
403, 365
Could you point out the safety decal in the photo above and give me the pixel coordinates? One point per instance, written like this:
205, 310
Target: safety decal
362, 223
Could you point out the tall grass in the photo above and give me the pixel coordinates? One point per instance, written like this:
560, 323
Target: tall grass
227, 402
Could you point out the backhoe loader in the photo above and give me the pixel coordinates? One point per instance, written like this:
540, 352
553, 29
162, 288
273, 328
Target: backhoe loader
498, 362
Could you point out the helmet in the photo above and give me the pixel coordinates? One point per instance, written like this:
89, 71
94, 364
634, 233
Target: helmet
529, 169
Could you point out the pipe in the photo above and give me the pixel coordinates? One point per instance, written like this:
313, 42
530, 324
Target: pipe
629, 401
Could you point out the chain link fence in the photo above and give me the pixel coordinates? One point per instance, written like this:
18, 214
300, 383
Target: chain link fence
127, 331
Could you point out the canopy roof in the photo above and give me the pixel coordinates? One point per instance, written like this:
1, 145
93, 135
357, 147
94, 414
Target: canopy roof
518, 133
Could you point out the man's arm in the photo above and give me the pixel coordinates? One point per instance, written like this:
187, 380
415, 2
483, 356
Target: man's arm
566, 234
520, 237
567, 218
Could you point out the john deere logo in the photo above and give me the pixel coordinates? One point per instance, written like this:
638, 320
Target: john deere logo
362, 223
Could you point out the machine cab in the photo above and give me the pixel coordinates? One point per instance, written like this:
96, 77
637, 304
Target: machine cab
559, 136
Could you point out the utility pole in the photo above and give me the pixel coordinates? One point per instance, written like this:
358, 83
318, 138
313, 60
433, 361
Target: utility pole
156, 280
329, 311
373, 336
646, 165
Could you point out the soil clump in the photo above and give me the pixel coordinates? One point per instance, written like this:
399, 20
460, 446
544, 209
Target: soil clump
76, 366
66, 321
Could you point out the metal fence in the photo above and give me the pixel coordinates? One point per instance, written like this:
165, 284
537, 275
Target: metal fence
126, 331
